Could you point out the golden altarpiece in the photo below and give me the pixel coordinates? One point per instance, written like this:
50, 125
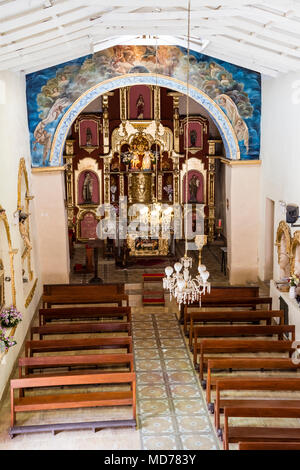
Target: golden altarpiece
135, 148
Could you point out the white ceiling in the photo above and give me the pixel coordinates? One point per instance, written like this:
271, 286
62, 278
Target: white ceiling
263, 35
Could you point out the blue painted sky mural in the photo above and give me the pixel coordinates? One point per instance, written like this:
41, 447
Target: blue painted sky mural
51, 92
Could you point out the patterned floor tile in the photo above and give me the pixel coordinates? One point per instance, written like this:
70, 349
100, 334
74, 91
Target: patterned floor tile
175, 353
185, 391
198, 442
145, 343
154, 407
168, 334
143, 334
172, 343
183, 376
159, 443
193, 424
151, 391
157, 425
189, 407
146, 354
144, 364
178, 364
142, 325
149, 377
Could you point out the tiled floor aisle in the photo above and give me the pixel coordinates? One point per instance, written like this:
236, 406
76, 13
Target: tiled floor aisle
171, 411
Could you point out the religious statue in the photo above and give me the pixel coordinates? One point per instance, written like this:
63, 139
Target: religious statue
193, 136
87, 189
24, 231
113, 189
169, 188
135, 160
146, 165
140, 103
193, 187
89, 137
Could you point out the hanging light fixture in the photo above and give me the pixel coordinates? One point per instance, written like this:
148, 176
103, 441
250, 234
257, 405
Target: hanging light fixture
178, 280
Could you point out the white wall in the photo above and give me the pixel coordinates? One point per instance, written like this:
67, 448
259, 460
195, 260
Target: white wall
14, 138
280, 151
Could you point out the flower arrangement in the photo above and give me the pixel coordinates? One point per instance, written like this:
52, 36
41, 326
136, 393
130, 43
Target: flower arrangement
294, 280
10, 317
126, 157
5, 342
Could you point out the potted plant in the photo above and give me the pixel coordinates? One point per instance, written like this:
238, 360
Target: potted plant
293, 281
5, 342
10, 317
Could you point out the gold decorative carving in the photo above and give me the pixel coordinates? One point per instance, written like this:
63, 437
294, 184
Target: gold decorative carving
11, 252
24, 224
295, 242
161, 250
140, 188
70, 147
123, 104
211, 198
283, 229
2, 292
31, 294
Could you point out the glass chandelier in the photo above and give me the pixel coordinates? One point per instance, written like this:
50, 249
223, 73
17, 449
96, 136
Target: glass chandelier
178, 280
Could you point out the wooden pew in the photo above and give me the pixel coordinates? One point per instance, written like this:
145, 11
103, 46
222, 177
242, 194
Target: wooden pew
251, 383
85, 361
229, 346
269, 409
84, 298
57, 345
234, 302
219, 293
83, 313
269, 445
79, 328
242, 316
245, 364
53, 289
239, 331
72, 400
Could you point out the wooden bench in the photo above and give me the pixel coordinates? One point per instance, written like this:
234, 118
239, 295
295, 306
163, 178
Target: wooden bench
269, 445
220, 293
269, 409
239, 331
243, 363
251, 383
79, 298
83, 313
229, 346
53, 289
72, 400
85, 362
79, 328
242, 316
44, 346
235, 302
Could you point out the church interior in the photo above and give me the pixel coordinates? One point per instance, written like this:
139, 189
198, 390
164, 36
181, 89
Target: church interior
149, 225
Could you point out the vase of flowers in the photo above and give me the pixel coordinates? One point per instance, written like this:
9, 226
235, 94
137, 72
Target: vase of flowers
293, 281
5, 342
10, 317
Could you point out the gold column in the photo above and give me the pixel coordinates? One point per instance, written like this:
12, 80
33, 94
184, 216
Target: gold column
106, 161
69, 181
211, 197
105, 121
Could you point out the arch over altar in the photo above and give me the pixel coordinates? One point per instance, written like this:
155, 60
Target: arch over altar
222, 122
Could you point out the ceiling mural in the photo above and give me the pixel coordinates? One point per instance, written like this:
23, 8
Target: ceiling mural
51, 92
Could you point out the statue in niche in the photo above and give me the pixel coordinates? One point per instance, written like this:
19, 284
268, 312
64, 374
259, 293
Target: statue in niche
87, 188
89, 137
193, 187
113, 189
24, 230
146, 165
140, 104
169, 188
193, 137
